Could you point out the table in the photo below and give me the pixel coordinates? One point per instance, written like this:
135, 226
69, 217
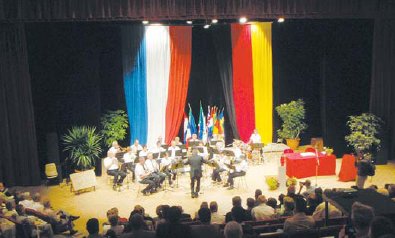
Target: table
305, 166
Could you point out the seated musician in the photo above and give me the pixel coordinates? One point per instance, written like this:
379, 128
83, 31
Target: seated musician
255, 137
144, 151
166, 163
128, 160
239, 170
143, 176
204, 154
153, 167
115, 148
237, 150
157, 148
112, 167
177, 140
219, 160
194, 138
136, 147
172, 149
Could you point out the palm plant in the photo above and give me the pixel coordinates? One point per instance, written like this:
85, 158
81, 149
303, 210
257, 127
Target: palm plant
83, 145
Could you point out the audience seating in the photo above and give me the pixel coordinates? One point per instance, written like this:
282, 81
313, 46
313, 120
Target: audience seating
330, 231
56, 226
332, 221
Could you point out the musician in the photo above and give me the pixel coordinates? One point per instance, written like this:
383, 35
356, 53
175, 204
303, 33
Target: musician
136, 147
194, 138
205, 151
177, 140
152, 166
143, 176
158, 148
195, 161
111, 165
255, 137
172, 149
216, 176
115, 148
239, 170
237, 150
166, 163
144, 151
128, 160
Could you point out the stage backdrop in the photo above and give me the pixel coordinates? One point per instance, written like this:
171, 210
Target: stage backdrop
156, 66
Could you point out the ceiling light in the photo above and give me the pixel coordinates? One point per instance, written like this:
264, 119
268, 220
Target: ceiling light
189, 22
281, 19
243, 20
145, 22
206, 26
214, 21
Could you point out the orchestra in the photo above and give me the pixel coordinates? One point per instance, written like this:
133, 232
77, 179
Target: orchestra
154, 165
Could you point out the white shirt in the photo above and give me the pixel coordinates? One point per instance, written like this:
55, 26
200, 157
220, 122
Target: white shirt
135, 148
27, 203
111, 163
114, 150
143, 153
165, 161
139, 171
255, 138
237, 152
173, 151
262, 212
151, 165
129, 157
157, 149
242, 166
37, 206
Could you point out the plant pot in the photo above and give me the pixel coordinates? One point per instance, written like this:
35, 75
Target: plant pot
78, 171
293, 143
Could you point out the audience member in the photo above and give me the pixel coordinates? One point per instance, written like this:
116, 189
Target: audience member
319, 213
262, 211
272, 202
204, 215
137, 228
236, 202
238, 214
114, 226
383, 191
34, 222
92, 226
250, 205
61, 218
361, 217
4, 191
26, 200
233, 230
258, 192
288, 207
216, 218
37, 205
9, 209
173, 228
205, 229
381, 226
299, 221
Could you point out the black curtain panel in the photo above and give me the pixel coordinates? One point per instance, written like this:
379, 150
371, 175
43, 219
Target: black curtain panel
382, 97
18, 146
223, 47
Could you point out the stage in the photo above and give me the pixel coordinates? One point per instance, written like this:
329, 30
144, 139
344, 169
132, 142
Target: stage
96, 203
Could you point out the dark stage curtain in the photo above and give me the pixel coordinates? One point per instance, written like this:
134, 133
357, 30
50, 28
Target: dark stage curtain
18, 146
115, 10
382, 98
223, 48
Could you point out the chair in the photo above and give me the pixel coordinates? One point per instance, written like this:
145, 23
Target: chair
330, 231
51, 172
241, 180
309, 149
266, 228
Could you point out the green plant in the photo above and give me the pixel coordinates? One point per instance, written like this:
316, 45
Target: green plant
272, 182
292, 114
291, 181
83, 146
364, 130
114, 125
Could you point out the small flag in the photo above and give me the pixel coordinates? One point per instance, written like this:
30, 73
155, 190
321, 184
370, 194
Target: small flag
187, 131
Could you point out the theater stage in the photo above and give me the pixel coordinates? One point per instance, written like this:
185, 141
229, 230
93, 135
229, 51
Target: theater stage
96, 203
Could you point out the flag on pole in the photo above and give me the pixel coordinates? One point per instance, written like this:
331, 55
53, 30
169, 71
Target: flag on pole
210, 123
202, 124
187, 130
221, 119
192, 123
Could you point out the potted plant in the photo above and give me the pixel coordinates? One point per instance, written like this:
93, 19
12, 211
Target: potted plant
114, 125
363, 137
83, 146
292, 115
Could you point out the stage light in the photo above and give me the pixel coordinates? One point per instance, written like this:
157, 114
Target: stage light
206, 26
214, 21
189, 22
243, 20
280, 20
145, 22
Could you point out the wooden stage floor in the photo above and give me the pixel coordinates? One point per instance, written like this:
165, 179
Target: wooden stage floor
96, 203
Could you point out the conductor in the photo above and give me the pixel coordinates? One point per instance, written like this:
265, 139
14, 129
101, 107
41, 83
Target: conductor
195, 161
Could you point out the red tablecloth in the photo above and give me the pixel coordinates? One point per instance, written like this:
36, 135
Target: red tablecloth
348, 172
304, 166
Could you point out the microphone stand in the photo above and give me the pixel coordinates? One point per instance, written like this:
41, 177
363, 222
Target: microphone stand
316, 166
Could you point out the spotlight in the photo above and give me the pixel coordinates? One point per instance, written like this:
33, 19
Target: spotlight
189, 22
214, 21
243, 20
280, 20
145, 22
206, 26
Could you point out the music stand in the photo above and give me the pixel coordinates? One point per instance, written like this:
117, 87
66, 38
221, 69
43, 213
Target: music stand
193, 143
155, 155
200, 149
228, 153
182, 147
164, 146
258, 147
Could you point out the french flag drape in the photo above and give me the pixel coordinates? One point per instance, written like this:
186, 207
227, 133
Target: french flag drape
156, 68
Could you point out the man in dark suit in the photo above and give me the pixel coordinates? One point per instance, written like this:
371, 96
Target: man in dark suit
195, 161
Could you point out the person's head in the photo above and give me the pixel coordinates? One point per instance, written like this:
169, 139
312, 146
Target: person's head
10, 205
115, 144
136, 142
257, 193
36, 197
281, 198
272, 202
158, 211
204, 215
177, 139
110, 213
194, 136
92, 226
381, 226
238, 214
150, 155
213, 206
113, 220
110, 234
165, 211
383, 191
20, 209
250, 202
391, 190
167, 154
300, 204
141, 160
361, 216
174, 214
201, 143
261, 199
137, 222
160, 139
291, 190
145, 148
195, 151
233, 230
236, 201
307, 183
47, 203
255, 131
289, 204
26, 196
204, 204
2, 187
139, 209
173, 143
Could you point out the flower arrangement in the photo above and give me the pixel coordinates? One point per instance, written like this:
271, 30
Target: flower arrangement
291, 181
272, 182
